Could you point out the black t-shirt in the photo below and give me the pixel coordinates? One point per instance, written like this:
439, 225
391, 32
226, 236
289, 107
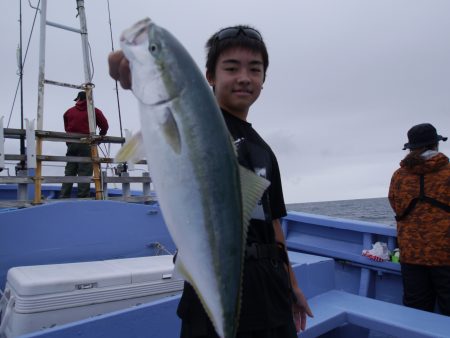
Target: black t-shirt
265, 293
256, 155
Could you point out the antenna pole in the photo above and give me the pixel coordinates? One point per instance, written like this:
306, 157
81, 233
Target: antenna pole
22, 137
117, 88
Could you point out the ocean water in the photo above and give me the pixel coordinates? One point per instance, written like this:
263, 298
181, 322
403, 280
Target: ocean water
377, 210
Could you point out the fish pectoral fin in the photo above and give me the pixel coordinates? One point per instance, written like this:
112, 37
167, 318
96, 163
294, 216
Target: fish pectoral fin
170, 130
132, 150
252, 189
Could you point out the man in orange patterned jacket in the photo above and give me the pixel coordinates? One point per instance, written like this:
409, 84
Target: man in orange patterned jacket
420, 196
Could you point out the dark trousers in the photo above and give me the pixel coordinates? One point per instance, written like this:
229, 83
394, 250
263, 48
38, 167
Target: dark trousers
286, 331
75, 168
196, 324
424, 285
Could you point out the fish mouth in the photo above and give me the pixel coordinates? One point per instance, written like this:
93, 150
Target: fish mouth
138, 33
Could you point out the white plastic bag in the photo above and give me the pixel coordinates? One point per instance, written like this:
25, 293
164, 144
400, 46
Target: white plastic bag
379, 252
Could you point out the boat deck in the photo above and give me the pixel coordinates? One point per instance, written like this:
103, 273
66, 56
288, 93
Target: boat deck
337, 313
350, 295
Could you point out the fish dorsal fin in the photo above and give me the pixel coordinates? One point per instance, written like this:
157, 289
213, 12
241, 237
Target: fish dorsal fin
252, 189
170, 130
132, 151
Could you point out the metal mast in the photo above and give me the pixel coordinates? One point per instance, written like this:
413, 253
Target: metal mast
87, 86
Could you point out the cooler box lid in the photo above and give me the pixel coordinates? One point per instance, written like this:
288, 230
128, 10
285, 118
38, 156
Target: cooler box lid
146, 269
56, 278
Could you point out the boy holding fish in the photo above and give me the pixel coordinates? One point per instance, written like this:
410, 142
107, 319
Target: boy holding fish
236, 66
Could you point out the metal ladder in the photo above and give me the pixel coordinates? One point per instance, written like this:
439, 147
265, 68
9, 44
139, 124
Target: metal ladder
87, 87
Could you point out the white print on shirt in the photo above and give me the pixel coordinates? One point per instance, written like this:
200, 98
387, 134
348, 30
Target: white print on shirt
261, 172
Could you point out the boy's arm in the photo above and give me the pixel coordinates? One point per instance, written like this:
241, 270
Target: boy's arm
300, 307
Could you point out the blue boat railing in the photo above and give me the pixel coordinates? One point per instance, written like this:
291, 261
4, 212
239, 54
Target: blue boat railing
338, 238
326, 253
344, 240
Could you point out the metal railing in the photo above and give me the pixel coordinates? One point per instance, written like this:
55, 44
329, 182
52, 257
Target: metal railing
33, 175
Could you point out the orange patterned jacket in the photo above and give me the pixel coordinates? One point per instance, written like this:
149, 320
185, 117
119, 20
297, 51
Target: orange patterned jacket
424, 234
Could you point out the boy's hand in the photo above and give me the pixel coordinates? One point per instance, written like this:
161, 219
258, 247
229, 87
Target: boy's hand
119, 69
300, 309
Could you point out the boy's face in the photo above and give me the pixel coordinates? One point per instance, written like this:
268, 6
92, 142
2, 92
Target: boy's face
238, 80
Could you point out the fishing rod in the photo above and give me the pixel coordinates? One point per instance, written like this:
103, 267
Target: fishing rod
24, 60
117, 88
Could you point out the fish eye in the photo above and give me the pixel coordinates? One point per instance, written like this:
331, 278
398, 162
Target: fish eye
154, 47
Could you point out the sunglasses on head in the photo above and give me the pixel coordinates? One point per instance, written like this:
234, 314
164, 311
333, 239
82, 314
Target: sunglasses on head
232, 32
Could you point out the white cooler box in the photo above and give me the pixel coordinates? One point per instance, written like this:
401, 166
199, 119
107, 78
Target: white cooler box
43, 296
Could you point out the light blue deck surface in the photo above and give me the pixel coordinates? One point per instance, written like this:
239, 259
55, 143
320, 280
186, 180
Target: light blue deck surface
333, 309
337, 280
159, 320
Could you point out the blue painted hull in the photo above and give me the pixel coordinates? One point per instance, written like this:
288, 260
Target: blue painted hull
351, 295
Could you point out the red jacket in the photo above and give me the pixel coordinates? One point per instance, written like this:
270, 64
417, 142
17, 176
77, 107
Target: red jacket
76, 119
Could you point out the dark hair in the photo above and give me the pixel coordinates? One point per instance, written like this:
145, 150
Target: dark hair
215, 46
414, 157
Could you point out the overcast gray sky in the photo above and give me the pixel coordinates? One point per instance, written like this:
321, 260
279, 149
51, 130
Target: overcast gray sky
346, 80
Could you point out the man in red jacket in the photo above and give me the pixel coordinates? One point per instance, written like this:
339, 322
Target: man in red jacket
76, 121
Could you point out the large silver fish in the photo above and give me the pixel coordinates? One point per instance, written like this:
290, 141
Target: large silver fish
205, 196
